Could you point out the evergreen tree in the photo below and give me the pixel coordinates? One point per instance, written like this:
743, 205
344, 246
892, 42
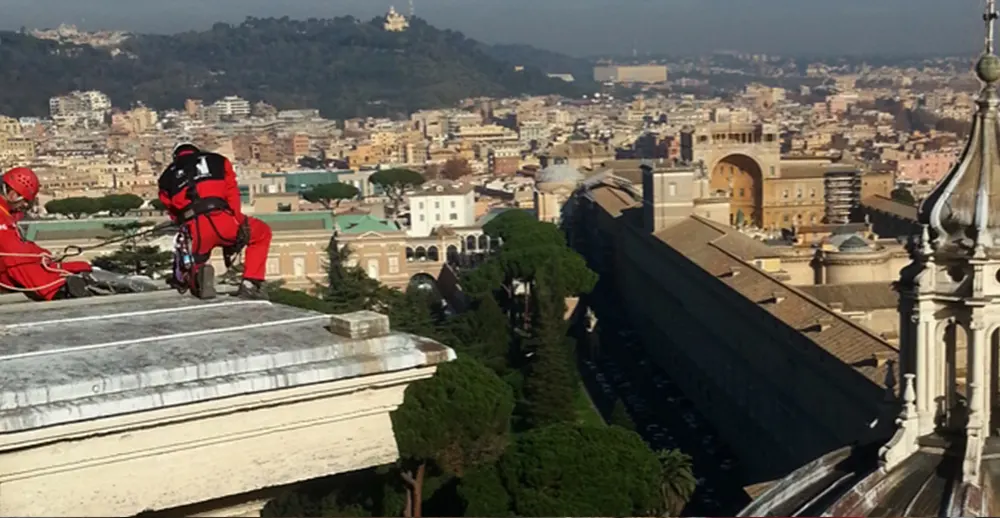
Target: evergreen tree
412, 312
568, 470
458, 421
619, 416
348, 287
551, 384
484, 333
133, 257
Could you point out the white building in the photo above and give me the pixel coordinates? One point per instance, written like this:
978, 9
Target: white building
232, 106
441, 206
79, 103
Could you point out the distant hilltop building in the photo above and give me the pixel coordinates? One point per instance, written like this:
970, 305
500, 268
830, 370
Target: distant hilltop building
395, 22
88, 108
70, 34
565, 77
630, 74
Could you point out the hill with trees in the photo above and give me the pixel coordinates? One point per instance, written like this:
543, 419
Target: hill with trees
342, 66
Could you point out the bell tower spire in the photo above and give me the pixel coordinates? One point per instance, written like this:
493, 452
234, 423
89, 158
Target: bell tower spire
949, 295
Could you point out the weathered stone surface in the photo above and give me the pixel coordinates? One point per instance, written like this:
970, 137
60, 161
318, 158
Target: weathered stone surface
360, 324
69, 361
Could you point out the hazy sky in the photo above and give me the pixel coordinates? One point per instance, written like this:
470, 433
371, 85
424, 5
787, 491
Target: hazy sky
581, 27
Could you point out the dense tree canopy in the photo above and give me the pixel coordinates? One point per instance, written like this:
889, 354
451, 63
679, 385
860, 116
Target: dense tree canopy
568, 470
341, 66
395, 183
331, 194
75, 207
459, 419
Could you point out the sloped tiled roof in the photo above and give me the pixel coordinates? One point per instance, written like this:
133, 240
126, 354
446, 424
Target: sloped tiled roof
862, 296
720, 250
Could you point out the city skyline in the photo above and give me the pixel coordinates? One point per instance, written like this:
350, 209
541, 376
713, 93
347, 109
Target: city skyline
585, 28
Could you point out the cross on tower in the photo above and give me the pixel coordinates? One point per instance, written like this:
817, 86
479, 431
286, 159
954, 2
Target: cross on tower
989, 17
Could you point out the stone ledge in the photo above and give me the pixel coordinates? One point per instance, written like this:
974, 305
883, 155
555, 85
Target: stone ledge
68, 363
360, 324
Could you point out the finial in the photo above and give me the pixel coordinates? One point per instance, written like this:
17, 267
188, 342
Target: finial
988, 67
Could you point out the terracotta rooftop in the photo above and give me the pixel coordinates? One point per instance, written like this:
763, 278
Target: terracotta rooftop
839, 336
862, 296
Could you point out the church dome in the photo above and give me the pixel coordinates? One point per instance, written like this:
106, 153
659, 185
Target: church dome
851, 482
854, 245
559, 173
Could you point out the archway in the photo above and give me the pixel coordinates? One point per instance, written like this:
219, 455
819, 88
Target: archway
451, 253
742, 177
432, 254
470, 243
426, 283
409, 254
420, 254
952, 384
484, 242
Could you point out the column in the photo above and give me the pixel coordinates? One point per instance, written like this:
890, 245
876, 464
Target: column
924, 380
977, 348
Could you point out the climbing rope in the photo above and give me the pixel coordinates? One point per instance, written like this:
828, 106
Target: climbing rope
47, 259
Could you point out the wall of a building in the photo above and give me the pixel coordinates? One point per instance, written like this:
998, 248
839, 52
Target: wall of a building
776, 397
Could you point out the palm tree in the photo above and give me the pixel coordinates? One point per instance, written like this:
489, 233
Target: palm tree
677, 482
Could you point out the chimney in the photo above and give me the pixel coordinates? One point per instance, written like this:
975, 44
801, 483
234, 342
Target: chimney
820, 324
837, 306
733, 272
776, 298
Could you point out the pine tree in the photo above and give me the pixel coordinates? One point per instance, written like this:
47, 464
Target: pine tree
551, 383
348, 287
619, 416
484, 333
133, 257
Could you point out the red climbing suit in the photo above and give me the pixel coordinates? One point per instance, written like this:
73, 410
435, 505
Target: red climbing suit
199, 189
27, 266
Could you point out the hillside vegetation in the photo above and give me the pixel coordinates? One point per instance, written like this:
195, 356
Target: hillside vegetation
342, 66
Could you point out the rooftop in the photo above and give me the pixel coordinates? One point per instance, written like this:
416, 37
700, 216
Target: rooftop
74, 360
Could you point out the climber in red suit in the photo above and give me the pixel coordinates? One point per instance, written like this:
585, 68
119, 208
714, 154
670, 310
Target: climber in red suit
199, 191
25, 266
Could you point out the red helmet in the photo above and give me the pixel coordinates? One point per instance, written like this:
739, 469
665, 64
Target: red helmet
22, 181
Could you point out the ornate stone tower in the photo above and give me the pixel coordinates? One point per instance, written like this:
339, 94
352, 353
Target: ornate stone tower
950, 294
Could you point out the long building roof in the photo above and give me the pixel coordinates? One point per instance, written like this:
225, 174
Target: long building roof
719, 250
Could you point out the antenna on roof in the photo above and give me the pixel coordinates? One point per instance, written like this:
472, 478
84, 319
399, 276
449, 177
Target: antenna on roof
412, 10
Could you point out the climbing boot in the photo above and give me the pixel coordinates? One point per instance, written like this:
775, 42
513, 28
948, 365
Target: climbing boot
251, 290
204, 282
